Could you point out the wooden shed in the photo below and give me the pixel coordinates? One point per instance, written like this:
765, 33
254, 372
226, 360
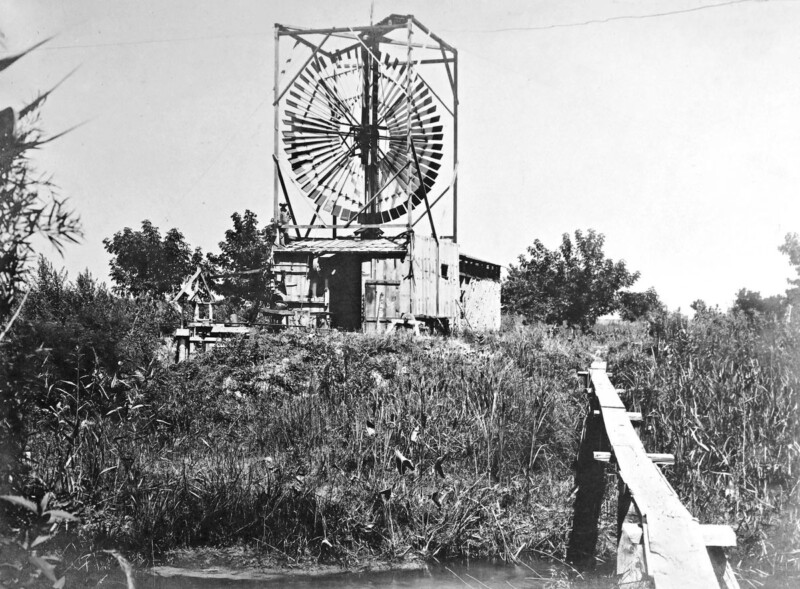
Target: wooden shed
372, 284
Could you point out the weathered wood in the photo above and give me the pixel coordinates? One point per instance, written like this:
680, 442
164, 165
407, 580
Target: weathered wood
630, 556
655, 457
634, 416
718, 535
590, 483
675, 553
722, 568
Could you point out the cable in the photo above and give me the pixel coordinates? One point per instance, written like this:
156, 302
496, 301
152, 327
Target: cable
502, 30
151, 41
604, 20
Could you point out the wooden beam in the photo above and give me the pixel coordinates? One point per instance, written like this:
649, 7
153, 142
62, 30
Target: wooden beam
375, 196
439, 98
301, 70
438, 198
424, 192
455, 146
285, 194
300, 226
675, 553
718, 535
433, 36
450, 74
664, 459
307, 43
590, 484
631, 567
634, 416
296, 31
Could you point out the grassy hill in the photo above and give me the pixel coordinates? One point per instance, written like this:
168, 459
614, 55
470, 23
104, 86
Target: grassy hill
288, 443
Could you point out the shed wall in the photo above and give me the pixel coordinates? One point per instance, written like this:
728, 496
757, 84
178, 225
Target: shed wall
480, 303
427, 277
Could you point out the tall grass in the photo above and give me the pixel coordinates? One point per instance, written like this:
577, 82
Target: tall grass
722, 392
288, 442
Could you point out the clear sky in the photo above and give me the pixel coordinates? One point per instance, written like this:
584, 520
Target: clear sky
677, 136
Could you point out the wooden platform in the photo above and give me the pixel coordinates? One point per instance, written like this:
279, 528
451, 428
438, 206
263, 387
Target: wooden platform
659, 538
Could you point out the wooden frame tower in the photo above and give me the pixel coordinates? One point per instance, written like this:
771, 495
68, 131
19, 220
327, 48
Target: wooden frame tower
365, 131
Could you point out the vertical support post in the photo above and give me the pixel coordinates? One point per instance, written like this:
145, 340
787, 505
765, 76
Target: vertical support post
623, 504
372, 170
410, 228
364, 138
409, 31
590, 482
455, 145
276, 123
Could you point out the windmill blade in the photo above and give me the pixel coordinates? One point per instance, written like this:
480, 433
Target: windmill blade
328, 145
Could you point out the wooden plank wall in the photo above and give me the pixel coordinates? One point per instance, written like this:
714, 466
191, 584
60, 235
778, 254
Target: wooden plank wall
423, 290
297, 278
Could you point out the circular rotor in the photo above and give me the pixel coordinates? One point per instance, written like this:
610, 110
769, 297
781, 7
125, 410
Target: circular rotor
333, 141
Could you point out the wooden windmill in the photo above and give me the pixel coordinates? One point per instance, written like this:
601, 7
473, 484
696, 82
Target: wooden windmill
365, 155
365, 129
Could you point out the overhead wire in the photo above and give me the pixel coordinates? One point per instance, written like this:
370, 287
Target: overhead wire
606, 19
497, 30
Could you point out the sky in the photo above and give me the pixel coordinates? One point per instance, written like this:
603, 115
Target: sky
670, 126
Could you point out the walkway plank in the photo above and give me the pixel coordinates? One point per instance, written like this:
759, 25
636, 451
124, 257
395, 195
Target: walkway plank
676, 555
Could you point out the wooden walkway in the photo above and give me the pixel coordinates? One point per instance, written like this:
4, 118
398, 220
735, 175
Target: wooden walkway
658, 537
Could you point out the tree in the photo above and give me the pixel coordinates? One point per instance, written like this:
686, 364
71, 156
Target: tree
144, 264
575, 283
634, 306
29, 204
29, 208
246, 259
752, 304
791, 248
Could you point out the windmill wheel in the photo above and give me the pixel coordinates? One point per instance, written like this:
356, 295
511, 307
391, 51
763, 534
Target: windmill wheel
329, 136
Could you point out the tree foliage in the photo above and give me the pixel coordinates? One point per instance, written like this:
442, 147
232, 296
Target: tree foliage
791, 248
74, 345
752, 304
245, 259
29, 204
80, 327
634, 306
575, 283
143, 263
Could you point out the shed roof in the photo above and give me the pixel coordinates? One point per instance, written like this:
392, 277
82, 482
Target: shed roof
381, 247
477, 268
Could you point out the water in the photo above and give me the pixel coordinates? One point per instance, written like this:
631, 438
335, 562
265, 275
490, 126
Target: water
476, 575
473, 575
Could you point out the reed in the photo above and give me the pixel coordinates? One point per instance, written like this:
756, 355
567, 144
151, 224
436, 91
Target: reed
289, 442
722, 393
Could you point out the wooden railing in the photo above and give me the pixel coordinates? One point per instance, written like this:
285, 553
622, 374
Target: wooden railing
657, 536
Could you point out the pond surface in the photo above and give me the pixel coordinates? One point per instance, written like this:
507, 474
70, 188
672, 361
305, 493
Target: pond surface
473, 575
476, 575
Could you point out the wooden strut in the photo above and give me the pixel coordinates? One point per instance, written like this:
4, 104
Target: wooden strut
368, 38
424, 194
299, 72
658, 537
375, 196
285, 195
